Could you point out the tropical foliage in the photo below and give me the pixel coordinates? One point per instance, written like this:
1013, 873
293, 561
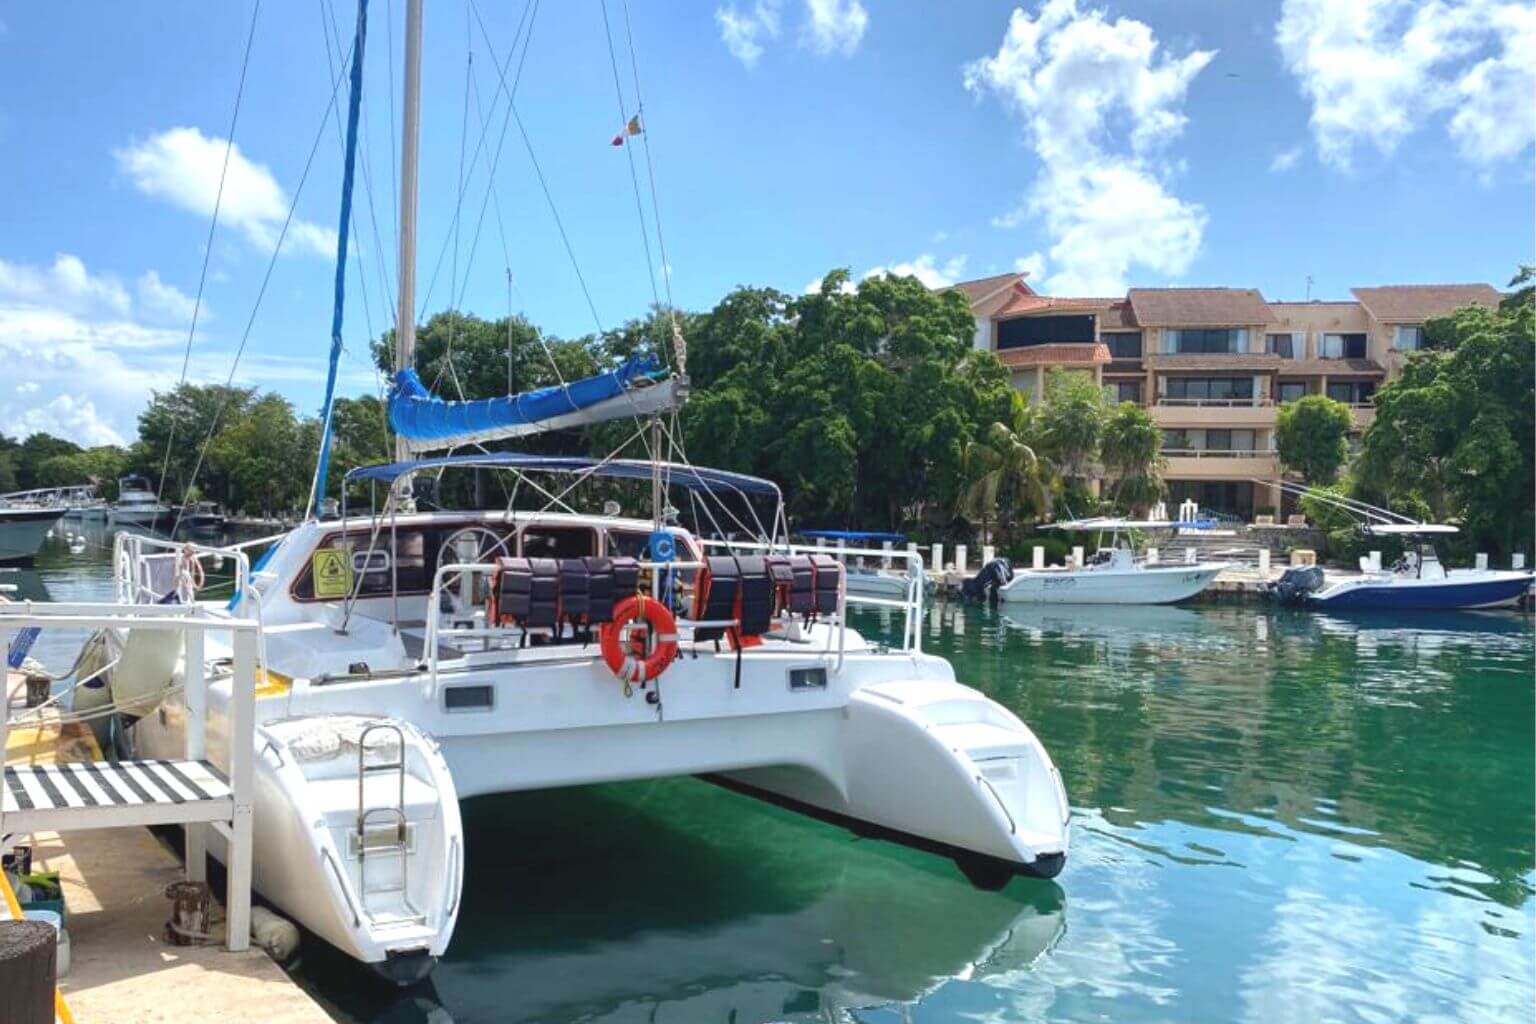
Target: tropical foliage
1454, 435
1312, 437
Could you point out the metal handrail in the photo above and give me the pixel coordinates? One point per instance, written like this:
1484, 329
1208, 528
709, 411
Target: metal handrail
1220, 453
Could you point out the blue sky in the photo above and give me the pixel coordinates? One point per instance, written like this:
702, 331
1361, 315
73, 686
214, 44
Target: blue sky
1096, 145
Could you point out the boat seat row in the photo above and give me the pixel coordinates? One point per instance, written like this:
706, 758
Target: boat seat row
552, 593
752, 591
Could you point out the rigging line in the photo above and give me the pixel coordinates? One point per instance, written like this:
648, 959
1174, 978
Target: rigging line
650, 170
458, 220
394, 159
629, 151
213, 224
479, 146
501, 139
266, 279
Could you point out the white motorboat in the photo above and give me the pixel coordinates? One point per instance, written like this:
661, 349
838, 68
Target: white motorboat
137, 504
203, 517
23, 529
412, 659
1114, 574
1419, 581
869, 580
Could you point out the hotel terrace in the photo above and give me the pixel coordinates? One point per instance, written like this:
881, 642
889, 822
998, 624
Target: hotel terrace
1212, 365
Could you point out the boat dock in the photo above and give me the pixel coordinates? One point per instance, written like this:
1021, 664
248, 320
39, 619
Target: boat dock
113, 874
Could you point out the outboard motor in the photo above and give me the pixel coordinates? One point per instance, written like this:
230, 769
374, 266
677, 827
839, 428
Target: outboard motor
1295, 584
985, 584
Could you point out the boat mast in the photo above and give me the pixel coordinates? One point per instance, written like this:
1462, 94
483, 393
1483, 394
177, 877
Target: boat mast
410, 137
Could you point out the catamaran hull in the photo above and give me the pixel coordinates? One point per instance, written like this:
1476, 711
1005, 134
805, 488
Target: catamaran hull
22, 532
1141, 585
1489, 590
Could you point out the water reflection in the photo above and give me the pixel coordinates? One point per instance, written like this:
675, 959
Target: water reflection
677, 901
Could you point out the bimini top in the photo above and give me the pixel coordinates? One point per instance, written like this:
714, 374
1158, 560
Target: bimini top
695, 478
854, 535
1392, 529
1111, 523
427, 422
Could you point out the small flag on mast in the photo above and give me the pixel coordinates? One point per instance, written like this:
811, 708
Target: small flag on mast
632, 128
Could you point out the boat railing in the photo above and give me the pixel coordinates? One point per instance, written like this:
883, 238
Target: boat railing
140, 563
229, 811
836, 638
911, 605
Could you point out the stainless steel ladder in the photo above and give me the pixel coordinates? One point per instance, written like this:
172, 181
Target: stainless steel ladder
368, 843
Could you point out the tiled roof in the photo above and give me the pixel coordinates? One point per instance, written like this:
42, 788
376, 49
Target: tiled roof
1199, 307
1119, 316
1236, 362
1415, 303
1337, 367
984, 286
1022, 304
1054, 355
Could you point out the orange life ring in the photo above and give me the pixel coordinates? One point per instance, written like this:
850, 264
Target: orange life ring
628, 660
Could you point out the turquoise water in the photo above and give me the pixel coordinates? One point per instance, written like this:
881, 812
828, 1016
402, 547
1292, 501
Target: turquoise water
1276, 817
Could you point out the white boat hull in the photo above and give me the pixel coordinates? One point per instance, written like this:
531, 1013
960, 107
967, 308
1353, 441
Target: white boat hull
22, 532
139, 515
1140, 584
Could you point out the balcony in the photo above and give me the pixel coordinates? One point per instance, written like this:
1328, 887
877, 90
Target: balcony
1220, 464
1213, 412
1258, 362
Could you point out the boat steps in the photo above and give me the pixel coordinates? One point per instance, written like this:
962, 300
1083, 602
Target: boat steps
90, 794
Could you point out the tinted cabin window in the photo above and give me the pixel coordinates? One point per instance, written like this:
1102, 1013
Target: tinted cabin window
377, 564
559, 542
1027, 331
1123, 344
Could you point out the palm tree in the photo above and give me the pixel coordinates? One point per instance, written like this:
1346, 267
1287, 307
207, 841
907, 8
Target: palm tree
1131, 452
1003, 467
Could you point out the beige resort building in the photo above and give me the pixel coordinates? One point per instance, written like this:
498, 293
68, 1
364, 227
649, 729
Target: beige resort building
1212, 365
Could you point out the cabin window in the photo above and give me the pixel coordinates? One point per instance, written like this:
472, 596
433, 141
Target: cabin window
629, 544
1208, 340
1123, 344
1028, 331
1290, 391
377, 563
1343, 346
559, 542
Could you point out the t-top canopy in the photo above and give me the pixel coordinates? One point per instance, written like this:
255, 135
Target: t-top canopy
854, 535
695, 478
1391, 529
1111, 523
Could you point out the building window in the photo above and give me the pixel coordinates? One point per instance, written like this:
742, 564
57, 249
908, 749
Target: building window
1207, 340
1123, 344
1408, 339
1290, 391
1343, 346
1176, 439
1283, 345
1123, 391
1028, 331
1209, 389
1351, 392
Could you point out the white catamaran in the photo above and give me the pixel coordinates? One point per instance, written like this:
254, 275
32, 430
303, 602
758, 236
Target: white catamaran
410, 659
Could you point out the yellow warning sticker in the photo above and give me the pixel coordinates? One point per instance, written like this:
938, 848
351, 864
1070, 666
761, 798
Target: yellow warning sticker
333, 572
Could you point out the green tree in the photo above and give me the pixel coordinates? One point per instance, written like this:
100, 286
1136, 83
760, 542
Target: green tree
174, 428
1072, 423
1312, 437
1005, 477
267, 455
1131, 452
100, 466
1455, 432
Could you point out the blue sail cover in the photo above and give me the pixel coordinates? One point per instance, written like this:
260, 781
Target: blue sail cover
426, 421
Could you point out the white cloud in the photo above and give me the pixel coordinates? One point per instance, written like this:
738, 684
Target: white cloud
65, 284
182, 167
1032, 265
1100, 102
1376, 71
926, 268
167, 302
84, 357
745, 33
1285, 160
834, 26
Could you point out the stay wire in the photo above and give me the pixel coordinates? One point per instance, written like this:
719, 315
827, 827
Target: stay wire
266, 279
202, 278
